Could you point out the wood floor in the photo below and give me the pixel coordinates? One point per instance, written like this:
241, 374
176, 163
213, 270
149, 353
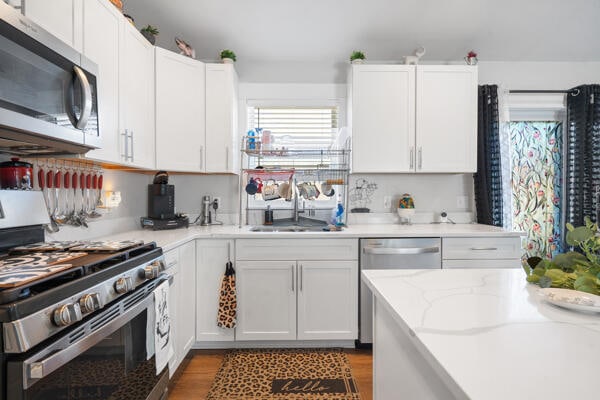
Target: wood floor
196, 379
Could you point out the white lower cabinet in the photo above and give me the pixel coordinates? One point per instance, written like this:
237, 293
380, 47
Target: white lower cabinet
311, 297
181, 265
481, 252
266, 300
211, 257
327, 300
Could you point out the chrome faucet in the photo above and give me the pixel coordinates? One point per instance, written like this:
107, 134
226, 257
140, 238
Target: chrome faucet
296, 212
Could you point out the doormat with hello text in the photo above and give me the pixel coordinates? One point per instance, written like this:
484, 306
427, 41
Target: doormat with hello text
263, 374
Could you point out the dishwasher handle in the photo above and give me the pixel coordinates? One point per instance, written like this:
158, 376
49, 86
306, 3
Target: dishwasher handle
400, 250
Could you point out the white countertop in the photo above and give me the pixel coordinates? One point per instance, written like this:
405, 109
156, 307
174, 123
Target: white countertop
169, 239
491, 333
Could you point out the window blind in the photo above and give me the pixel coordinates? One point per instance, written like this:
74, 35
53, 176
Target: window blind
297, 128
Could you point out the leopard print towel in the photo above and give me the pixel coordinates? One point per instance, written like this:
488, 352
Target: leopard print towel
226, 316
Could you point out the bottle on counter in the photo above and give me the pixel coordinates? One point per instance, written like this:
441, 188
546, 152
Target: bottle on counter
339, 213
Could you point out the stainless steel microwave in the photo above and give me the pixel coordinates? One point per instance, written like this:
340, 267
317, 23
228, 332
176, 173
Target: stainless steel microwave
48, 91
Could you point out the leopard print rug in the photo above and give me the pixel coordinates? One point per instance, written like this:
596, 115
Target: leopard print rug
264, 374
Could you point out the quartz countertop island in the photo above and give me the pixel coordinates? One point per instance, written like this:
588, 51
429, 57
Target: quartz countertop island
478, 334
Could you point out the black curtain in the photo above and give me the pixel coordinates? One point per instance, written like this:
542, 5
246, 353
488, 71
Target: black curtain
582, 154
488, 179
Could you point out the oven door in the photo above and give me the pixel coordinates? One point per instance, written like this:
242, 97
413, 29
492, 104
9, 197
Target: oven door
108, 356
46, 87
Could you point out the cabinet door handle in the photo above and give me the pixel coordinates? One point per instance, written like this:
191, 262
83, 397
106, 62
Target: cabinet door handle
201, 157
301, 276
420, 158
226, 158
125, 155
412, 157
131, 137
293, 273
484, 248
400, 250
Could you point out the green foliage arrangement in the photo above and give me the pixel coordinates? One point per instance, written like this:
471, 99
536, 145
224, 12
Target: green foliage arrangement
357, 55
571, 270
228, 54
150, 29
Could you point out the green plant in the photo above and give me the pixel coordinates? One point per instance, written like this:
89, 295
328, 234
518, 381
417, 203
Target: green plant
150, 29
228, 54
357, 55
571, 270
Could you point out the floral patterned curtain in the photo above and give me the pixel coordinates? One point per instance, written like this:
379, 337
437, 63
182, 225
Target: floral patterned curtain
537, 184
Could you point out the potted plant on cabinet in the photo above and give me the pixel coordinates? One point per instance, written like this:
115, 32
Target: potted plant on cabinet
150, 32
471, 58
228, 56
357, 57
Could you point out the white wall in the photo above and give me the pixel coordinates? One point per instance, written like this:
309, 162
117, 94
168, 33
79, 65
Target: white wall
539, 75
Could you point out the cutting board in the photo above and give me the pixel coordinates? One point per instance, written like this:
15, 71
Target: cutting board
107, 245
20, 270
18, 275
39, 259
45, 246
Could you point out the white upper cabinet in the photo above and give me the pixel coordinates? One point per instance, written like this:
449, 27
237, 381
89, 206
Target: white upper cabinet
102, 26
383, 123
62, 18
136, 94
446, 118
180, 112
413, 119
221, 118
196, 115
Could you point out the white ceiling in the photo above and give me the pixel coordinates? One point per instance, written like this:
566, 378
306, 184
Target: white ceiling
313, 34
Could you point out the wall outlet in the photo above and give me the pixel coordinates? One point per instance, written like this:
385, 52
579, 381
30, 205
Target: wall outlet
387, 202
462, 202
217, 201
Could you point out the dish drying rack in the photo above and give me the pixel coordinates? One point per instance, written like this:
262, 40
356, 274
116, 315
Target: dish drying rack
329, 166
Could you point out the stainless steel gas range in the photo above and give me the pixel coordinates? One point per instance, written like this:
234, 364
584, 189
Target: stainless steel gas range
77, 317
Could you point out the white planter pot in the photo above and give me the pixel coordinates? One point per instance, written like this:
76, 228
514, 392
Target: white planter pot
227, 60
358, 61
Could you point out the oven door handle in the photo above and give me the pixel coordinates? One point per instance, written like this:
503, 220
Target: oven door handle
37, 367
400, 250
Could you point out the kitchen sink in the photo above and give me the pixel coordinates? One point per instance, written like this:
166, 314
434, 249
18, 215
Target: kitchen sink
286, 229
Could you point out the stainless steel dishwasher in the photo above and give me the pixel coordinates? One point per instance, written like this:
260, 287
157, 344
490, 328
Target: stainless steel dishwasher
413, 253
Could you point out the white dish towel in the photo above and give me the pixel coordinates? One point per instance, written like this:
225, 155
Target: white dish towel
163, 340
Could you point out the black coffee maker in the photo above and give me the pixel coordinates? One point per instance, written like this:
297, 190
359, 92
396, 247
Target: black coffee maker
161, 205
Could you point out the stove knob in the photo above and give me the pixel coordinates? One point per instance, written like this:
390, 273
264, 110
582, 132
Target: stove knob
151, 271
123, 285
89, 303
66, 314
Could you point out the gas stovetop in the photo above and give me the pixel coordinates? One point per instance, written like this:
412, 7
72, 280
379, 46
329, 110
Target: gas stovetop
56, 285
37, 275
